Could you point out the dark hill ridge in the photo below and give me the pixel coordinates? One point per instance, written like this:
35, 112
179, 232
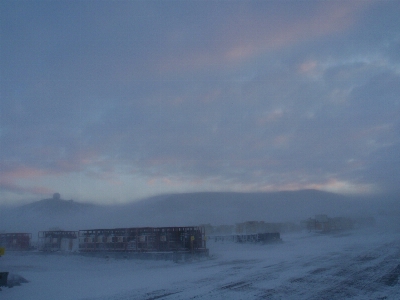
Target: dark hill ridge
186, 209
47, 213
56, 206
230, 207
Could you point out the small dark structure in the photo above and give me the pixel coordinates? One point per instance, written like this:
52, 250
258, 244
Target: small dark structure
59, 240
16, 241
322, 223
144, 240
263, 238
267, 237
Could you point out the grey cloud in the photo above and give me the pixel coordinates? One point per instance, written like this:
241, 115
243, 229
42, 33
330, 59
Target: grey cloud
383, 168
98, 85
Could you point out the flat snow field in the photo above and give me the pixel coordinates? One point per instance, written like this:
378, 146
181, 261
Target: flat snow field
352, 265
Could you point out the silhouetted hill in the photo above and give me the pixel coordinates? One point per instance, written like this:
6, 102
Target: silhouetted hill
229, 207
56, 206
188, 209
45, 214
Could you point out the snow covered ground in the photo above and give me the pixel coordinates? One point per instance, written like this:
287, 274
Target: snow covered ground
353, 265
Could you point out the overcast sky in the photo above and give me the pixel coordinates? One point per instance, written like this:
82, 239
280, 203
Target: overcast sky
112, 101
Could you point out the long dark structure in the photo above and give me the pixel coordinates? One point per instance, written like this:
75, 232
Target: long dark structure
262, 238
144, 240
16, 241
268, 237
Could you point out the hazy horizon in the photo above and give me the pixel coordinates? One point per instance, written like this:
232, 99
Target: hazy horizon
162, 196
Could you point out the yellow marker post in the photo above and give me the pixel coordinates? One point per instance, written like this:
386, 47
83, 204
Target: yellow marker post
2, 251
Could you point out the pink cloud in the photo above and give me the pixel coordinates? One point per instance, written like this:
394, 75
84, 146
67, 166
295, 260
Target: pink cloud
271, 116
13, 174
10, 176
281, 141
20, 172
340, 186
11, 186
246, 34
308, 67
330, 185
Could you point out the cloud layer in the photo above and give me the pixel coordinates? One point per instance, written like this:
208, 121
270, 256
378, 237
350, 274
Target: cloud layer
113, 101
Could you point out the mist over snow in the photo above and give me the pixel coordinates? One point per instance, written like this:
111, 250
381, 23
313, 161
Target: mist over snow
362, 263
